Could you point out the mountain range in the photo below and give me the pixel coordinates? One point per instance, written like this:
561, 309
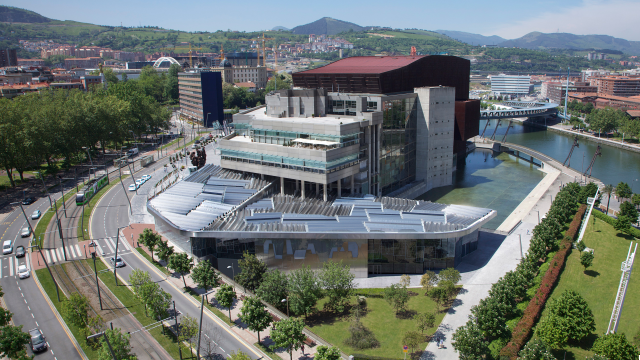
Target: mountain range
326, 26
473, 39
540, 41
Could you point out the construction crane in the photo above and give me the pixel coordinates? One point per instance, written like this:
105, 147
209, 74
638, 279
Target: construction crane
567, 161
259, 40
190, 51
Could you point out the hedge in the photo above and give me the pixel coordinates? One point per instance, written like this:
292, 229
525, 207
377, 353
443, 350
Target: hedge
523, 329
611, 221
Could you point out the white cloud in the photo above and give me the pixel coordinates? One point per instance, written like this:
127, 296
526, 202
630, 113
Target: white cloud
617, 18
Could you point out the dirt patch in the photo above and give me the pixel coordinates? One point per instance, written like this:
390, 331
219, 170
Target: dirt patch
87, 288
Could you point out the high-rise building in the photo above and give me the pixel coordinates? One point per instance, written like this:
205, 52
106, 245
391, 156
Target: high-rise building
8, 57
511, 84
201, 96
617, 85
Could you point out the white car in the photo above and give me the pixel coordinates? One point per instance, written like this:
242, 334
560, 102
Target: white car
25, 232
139, 182
117, 262
7, 247
146, 177
133, 187
23, 272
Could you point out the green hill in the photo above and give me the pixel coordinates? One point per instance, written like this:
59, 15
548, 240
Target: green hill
326, 26
470, 38
17, 15
541, 41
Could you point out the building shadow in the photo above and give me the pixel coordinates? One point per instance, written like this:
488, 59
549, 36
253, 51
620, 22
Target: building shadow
488, 244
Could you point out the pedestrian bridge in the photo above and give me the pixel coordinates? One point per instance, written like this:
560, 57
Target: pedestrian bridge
521, 109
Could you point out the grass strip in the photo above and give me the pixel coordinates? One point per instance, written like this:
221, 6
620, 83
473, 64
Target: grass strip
86, 216
267, 350
154, 262
47, 216
220, 314
167, 340
50, 288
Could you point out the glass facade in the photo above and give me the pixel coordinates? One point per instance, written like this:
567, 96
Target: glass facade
289, 162
398, 148
364, 256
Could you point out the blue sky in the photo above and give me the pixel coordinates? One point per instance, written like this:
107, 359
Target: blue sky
509, 19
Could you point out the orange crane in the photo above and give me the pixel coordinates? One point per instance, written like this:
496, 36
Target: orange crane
190, 51
259, 39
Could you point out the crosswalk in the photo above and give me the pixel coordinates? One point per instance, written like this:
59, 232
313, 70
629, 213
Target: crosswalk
103, 247
9, 265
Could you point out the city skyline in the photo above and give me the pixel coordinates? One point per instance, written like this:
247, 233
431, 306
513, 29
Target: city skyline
516, 19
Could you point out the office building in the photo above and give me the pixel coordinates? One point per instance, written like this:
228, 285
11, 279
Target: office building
8, 57
511, 84
624, 86
201, 96
83, 63
249, 59
557, 92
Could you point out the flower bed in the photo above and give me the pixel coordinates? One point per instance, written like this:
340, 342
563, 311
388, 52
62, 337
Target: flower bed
522, 331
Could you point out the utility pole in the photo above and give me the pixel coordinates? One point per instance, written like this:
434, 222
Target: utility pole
175, 314
64, 206
124, 189
47, 265
200, 327
106, 339
115, 263
93, 255
25, 217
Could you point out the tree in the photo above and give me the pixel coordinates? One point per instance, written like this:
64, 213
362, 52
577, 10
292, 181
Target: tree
251, 271
304, 290
239, 356
469, 342
622, 223
397, 296
288, 335
337, 282
623, 190
273, 288
181, 263
225, 296
171, 84
629, 210
586, 259
635, 199
412, 339
449, 274
5, 316
137, 279
254, 314
536, 349
75, 310
615, 346
608, 189
428, 280
13, 342
439, 295
119, 343
405, 280
491, 317
205, 276
327, 353
150, 239
425, 321
569, 319
188, 328
165, 251
158, 303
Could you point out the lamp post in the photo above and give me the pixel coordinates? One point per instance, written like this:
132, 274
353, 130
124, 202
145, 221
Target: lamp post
25, 217
47, 264
106, 339
286, 301
234, 276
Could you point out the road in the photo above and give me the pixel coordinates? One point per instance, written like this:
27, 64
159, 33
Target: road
23, 297
111, 213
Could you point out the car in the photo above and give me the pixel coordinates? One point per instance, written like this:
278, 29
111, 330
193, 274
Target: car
139, 182
20, 251
146, 177
28, 201
37, 341
36, 215
117, 263
25, 232
23, 271
133, 187
7, 247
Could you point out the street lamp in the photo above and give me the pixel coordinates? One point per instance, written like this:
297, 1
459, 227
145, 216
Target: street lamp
234, 275
286, 301
106, 338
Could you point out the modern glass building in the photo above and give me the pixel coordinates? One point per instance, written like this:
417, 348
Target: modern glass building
217, 214
511, 84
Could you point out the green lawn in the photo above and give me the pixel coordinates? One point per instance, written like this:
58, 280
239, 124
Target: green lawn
600, 283
50, 288
381, 320
126, 297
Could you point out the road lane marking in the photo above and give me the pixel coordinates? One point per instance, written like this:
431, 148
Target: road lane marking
10, 266
53, 255
46, 252
126, 244
78, 250
60, 254
73, 252
17, 264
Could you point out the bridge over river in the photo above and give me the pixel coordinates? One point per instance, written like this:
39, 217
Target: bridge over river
520, 109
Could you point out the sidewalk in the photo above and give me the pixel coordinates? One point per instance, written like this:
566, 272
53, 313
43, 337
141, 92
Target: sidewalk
132, 233
496, 255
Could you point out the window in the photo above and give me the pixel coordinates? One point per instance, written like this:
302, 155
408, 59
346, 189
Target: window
372, 105
350, 104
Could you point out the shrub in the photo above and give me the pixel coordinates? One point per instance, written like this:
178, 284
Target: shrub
611, 221
569, 319
536, 349
581, 246
360, 337
615, 346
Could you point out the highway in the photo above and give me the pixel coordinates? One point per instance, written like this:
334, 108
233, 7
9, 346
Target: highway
23, 297
112, 212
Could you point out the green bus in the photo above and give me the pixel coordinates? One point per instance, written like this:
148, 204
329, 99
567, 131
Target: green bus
91, 188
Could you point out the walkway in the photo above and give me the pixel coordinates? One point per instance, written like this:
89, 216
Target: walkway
496, 255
